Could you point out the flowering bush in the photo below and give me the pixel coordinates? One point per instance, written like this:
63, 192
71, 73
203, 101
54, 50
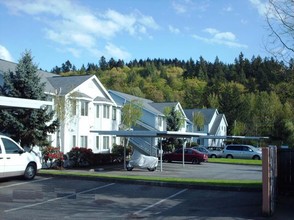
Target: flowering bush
52, 154
81, 156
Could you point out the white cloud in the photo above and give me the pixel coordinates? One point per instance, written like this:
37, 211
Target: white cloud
173, 29
179, 8
5, 54
261, 6
116, 52
228, 9
221, 38
211, 31
74, 26
186, 6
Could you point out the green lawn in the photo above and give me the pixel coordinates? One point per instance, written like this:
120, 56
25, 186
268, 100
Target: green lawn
235, 161
210, 182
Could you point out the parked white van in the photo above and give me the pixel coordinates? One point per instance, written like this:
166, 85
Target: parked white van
15, 161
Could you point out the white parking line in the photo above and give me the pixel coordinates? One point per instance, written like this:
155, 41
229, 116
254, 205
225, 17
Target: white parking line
23, 183
55, 199
150, 206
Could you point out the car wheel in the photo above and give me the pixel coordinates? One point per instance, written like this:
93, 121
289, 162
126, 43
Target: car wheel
130, 168
256, 157
151, 169
195, 161
30, 171
229, 156
213, 156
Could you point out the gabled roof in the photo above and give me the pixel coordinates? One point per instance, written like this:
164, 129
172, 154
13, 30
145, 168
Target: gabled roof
55, 83
147, 103
66, 84
6, 66
101, 99
160, 106
216, 124
207, 113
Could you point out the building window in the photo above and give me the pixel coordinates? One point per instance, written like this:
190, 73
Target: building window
200, 128
84, 141
84, 108
113, 140
49, 139
97, 111
105, 142
74, 141
113, 113
105, 111
73, 107
97, 142
159, 121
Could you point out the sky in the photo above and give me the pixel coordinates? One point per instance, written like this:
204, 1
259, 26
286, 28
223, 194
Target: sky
82, 31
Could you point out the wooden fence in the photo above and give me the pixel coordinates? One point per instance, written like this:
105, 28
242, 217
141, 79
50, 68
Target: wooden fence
285, 181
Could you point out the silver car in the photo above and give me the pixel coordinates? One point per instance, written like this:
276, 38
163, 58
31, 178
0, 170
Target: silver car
242, 151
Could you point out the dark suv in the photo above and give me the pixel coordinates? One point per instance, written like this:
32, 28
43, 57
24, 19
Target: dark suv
242, 151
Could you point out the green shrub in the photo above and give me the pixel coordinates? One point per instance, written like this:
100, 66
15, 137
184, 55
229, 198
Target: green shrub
81, 157
119, 150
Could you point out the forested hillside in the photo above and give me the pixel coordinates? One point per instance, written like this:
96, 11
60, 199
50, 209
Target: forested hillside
256, 96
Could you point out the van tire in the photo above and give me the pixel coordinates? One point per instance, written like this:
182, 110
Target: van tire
30, 171
229, 156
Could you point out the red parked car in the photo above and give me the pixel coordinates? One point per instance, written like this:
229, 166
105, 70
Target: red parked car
191, 155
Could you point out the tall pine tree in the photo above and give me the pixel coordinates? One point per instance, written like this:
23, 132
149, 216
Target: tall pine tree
27, 126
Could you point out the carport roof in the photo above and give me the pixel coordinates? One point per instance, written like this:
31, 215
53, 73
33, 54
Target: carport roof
11, 102
145, 133
149, 133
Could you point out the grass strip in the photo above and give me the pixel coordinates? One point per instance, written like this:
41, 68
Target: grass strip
235, 161
208, 182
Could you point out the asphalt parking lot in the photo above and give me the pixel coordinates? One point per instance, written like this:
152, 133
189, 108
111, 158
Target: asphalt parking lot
51, 197
66, 198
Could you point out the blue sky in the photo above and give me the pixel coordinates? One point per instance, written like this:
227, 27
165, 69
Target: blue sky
84, 30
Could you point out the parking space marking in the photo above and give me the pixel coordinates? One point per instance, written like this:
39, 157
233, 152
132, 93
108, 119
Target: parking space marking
150, 206
23, 183
59, 198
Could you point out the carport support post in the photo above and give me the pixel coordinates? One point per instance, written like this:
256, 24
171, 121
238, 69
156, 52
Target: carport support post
184, 147
125, 166
160, 153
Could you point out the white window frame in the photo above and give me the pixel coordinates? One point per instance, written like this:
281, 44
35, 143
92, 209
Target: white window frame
84, 108
97, 111
74, 141
113, 113
105, 142
106, 109
98, 142
84, 141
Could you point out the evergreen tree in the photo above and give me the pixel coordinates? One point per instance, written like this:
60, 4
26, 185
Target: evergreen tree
174, 119
27, 126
